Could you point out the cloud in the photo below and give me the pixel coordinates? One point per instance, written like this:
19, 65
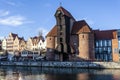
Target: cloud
14, 3
11, 3
13, 20
4, 13
1, 37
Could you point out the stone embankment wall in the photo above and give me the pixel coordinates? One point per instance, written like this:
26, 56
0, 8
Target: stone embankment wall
64, 64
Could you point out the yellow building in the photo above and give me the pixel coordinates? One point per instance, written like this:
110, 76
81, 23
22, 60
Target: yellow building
10, 42
19, 44
33, 43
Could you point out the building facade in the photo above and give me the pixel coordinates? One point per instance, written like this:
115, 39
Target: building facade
0, 45
42, 44
116, 46
76, 40
68, 37
19, 44
35, 43
4, 44
10, 42
104, 42
29, 44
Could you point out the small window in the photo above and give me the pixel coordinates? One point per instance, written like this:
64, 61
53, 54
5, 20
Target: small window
116, 50
60, 27
82, 36
75, 43
61, 40
60, 33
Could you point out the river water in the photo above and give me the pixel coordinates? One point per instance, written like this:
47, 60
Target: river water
38, 73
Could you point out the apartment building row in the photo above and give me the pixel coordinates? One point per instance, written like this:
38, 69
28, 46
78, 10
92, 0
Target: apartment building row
14, 43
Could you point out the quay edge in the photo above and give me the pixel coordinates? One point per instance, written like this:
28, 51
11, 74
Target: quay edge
57, 64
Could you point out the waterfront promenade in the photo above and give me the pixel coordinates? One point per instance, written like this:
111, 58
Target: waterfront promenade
57, 64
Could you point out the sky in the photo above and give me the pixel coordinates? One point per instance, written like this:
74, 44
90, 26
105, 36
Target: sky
27, 17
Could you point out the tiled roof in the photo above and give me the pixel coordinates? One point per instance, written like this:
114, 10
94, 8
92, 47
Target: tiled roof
78, 25
65, 12
105, 34
53, 31
36, 39
14, 35
75, 28
20, 38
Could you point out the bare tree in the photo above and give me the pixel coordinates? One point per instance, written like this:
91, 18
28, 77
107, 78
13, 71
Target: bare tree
40, 33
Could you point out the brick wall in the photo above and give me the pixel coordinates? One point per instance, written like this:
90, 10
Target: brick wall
115, 52
50, 42
86, 46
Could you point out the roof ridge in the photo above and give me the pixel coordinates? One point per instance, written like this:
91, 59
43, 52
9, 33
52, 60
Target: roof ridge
66, 12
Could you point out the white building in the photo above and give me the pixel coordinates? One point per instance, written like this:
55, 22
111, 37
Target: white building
4, 44
36, 43
42, 44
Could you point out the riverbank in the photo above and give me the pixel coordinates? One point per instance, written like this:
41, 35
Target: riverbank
98, 65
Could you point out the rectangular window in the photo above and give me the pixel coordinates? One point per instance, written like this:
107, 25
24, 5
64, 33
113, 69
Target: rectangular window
60, 33
96, 50
106, 57
105, 42
61, 40
115, 50
101, 57
100, 50
60, 27
109, 42
100, 43
97, 56
109, 50
96, 43
105, 50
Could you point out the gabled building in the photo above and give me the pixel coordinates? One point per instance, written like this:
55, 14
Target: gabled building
69, 37
19, 44
34, 43
30, 44
4, 44
76, 40
23, 45
10, 42
42, 44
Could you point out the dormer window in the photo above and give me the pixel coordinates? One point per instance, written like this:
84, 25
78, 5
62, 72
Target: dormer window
58, 12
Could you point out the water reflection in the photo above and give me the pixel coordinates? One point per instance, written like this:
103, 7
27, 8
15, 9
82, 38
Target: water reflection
38, 73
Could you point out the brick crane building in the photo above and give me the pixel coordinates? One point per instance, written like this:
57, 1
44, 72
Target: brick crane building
71, 39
